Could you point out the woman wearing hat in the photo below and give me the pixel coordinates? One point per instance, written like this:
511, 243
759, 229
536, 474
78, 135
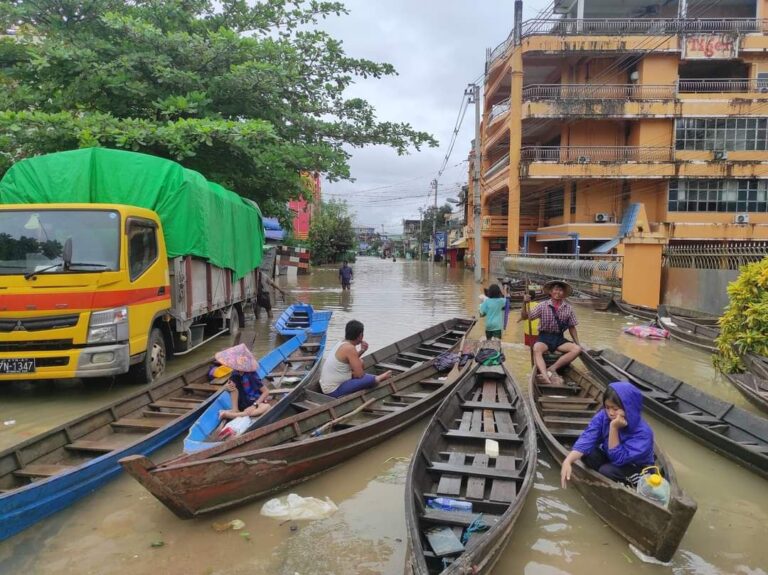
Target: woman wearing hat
555, 317
249, 395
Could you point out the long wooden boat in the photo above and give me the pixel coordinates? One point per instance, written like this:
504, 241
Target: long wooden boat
321, 433
723, 427
754, 388
450, 461
561, 414
298, 317
640, 311
47, 473
301, 355
757, 364
691, 327
592, 301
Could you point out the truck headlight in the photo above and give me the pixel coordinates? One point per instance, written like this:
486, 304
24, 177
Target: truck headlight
108, 326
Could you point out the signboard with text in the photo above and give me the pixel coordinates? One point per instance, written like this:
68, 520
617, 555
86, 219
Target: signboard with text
710, 47
440, 238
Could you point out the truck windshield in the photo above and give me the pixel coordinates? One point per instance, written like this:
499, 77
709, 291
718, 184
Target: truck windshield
32, 241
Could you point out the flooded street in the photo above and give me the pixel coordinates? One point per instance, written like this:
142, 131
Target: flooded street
113, 530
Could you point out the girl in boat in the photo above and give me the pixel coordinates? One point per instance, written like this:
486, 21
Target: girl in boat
250, 397
617, 443
492, 309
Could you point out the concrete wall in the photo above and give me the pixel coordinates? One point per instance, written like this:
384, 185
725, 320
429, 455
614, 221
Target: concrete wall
701, 290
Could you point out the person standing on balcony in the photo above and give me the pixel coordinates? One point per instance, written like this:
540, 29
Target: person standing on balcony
555, 317
345, 275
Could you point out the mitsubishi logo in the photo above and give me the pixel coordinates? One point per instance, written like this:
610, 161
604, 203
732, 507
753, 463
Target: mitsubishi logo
19, 326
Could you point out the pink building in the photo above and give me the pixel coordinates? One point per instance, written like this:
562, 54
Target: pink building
303, 210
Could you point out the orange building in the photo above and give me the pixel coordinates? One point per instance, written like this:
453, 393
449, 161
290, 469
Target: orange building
607, 104
303, 209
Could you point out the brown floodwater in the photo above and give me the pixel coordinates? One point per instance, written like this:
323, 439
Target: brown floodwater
113, 530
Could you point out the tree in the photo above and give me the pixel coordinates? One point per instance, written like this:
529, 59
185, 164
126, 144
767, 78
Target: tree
250, 94
331, 235
438, 216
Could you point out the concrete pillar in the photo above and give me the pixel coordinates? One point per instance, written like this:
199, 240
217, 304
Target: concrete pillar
641, 277
515, 145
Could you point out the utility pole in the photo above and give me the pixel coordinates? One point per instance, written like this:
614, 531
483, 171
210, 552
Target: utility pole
432, 241
418, 242
473, 94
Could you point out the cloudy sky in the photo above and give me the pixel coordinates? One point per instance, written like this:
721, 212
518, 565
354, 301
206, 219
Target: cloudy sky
437, 47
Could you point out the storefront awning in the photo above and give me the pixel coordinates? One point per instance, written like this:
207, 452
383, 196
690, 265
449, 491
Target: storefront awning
460, 243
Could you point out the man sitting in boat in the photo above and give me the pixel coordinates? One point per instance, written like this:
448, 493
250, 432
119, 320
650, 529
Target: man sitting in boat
555, 317
250, 397
617, 443
342, 371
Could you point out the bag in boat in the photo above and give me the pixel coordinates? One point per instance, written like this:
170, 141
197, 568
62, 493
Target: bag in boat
446, 360
487, 356
647, 331
297, 507
237, 426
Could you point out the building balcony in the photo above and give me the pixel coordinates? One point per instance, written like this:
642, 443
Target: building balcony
597, 154
496, 177
586, 231
499, 110
493, 226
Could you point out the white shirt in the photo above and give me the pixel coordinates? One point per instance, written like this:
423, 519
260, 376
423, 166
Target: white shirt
334, 372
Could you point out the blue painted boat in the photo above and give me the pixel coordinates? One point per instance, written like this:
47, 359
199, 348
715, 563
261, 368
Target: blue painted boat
47, 473
301, 316
300, 357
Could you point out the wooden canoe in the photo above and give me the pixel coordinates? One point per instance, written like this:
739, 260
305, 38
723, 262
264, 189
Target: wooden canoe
754, 388
723, 427
757, 364
301, 356
561, 414
592, 301
47, 473
450, 461
699, 330
300, 316
640, 311
316, 438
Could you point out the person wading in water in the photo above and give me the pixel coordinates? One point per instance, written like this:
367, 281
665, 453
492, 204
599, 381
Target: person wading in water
555, 317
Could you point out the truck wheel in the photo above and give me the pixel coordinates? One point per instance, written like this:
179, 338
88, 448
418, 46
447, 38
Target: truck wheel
235, 321
152, 366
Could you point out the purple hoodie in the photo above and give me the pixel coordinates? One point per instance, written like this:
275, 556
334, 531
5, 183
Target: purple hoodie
635, 440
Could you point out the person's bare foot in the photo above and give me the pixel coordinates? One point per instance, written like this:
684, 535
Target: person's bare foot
383, 376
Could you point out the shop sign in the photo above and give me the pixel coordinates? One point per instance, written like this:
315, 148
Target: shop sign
711, 47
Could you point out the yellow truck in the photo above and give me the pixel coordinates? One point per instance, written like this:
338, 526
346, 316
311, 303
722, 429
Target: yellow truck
112, 261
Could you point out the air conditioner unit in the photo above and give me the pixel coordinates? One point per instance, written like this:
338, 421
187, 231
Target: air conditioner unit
720, 155
602, 218
583, 159
741, 218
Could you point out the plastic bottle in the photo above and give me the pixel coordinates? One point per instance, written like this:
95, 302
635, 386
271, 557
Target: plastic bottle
448, 504
653, 486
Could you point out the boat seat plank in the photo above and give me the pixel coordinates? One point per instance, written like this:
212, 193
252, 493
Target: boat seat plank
392, 366
104, 445
486, 405
165, 414
460, 518
558, 389
466, 421
316, 397
469, 470
476, 485
432, 381
140, 423
383, 408
166, 404
461, 434
300, 359
450, 484
280, 374
202, 387
305, 405
477, 420
504, 423
566, 433
41, 470
416, 356
568, 412
414, 395
444, 542
504, 489
551, 399
438, 344
552, 419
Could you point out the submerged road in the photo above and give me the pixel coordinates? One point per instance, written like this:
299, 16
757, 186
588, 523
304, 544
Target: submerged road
113, 530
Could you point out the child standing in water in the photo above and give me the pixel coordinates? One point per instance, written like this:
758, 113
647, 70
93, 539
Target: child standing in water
617, 443
492, 309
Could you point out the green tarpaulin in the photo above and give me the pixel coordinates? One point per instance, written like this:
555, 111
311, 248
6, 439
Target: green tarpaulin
199, 218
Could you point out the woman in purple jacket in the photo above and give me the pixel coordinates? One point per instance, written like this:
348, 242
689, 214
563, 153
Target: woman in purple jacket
617, 443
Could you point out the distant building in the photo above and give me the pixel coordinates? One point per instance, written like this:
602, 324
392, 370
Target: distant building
303, 210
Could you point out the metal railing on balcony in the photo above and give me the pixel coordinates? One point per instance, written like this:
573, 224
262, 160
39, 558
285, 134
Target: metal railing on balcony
598, 92
594, 154
497, 166
708, 86
498, 110
630, 26
585, 269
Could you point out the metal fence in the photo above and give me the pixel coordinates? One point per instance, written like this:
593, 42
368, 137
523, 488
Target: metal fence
497, 166
706, 85
714, 256
587, 270
589, 154
599, 92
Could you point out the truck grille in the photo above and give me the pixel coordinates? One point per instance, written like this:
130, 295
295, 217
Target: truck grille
45, 345
51, 361
37, 323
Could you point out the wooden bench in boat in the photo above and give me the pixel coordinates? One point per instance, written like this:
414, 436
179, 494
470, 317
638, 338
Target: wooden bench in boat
279, 374
415, 356
553, 419
202, 387
392, 366
459, 518
105, 445
139, 423
35, 470
173, 404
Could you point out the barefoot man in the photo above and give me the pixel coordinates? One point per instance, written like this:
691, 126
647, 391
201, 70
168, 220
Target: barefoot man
555, 317
342, 371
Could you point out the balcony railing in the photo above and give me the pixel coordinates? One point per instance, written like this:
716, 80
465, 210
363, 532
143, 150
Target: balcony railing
630, 26
598, 92
498, 110
708, 86
592, 154
497, 166
584, 269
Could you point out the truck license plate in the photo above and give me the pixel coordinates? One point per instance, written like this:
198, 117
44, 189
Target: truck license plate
14, 365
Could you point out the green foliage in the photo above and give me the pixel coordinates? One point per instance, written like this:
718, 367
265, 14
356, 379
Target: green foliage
438, 216
330, 234
248, 93
744, 325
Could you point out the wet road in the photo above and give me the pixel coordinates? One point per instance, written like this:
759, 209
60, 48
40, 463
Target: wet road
113, 530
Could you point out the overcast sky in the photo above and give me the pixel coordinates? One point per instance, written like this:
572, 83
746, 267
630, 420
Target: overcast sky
437, 47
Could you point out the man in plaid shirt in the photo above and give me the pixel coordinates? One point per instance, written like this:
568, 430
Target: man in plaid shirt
555, 317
